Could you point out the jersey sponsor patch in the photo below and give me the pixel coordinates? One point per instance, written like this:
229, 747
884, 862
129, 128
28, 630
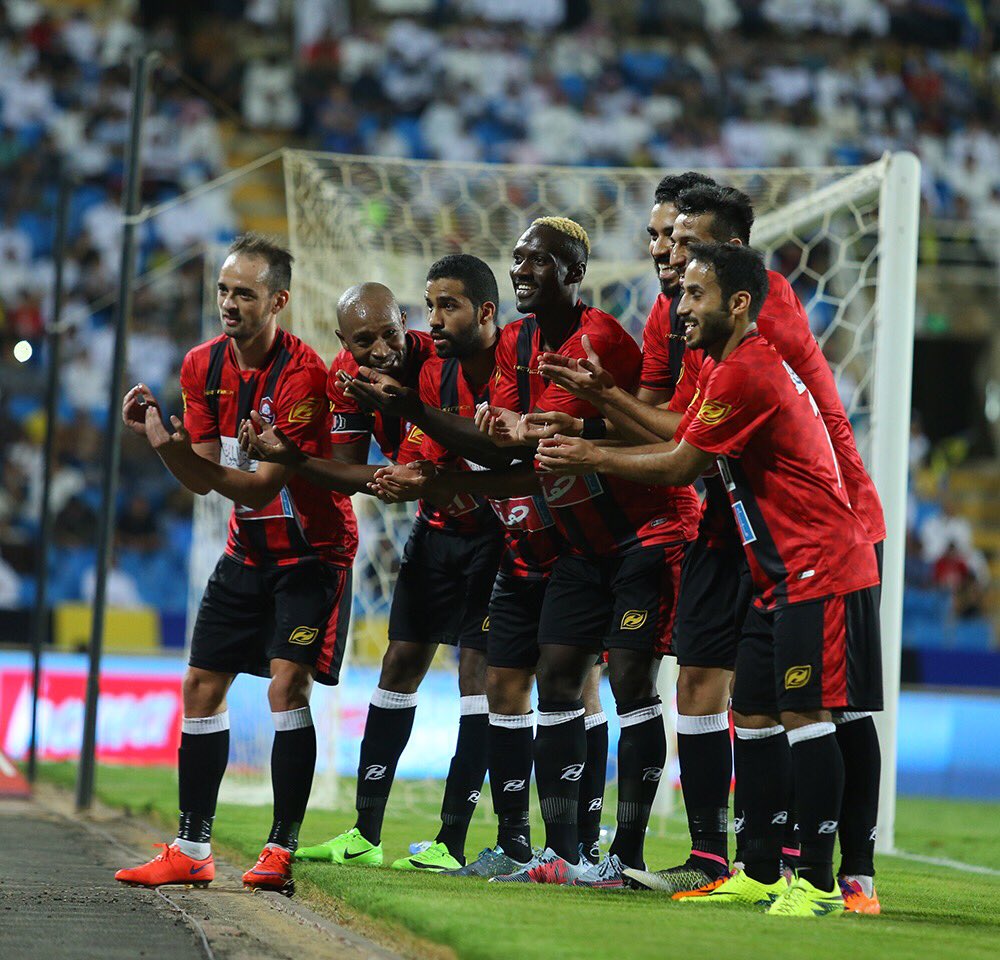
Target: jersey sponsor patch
416, 435
713, 412
747, 534
305, 410
266, 410
523, 513
567, 491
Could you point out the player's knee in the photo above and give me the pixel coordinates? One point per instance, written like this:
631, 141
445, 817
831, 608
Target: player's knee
404, 666
290, 688
204, 692
472, 673
702, 691
632, 677
508, 691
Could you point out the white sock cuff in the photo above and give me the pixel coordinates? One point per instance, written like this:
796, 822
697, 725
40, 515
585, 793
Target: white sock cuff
747, 733
390, 700
811, 731
562, 716
469, 706
713, 723
215, 724
848, 716
514, 721
297, 719
641, 715
595, 720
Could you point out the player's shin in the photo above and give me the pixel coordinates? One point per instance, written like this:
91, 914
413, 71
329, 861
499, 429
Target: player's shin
387, 730
704, 752
762, 772
560, 755
818, 771
293, 762
201, 764
642, 752
465, 775
859, 746
592, 784
510, 761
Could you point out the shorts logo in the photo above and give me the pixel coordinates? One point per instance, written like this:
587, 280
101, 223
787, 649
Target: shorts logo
652, 774
780, 817
796, 677
633, 619
712, 412
512, 786
305, 410
573, 772
596, 804
486, 625
828, 826
375, 772
873, 834
303, 635
473, 797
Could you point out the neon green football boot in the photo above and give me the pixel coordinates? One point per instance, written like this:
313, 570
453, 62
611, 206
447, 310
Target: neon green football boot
435, 859
348, 848
740, 888
802, 899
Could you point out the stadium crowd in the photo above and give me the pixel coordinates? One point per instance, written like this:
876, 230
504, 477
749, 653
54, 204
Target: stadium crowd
659, 83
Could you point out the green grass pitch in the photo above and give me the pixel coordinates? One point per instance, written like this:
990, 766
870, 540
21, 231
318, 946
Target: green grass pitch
928, 910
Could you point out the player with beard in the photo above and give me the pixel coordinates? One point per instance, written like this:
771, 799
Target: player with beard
810, 644
707, 214
450, 560
278, 602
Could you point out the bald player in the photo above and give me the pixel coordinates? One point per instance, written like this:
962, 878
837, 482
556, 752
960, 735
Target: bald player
449, 563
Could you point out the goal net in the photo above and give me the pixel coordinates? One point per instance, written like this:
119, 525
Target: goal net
845, 237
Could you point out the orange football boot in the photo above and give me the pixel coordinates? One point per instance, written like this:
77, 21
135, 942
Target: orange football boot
172, 866
272, 871
856, 900
703, 889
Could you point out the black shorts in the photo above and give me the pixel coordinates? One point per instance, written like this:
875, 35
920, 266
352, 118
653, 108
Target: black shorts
515, 612
442, 594
818, 655
250, 616
715, 595
614, 602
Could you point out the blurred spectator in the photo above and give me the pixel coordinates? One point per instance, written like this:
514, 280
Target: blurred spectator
953, 572
122, 588
10, 586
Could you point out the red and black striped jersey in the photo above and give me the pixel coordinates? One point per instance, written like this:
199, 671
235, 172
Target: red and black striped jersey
662, 345
782, 476
350, 423
289, 391
597, 515
784, 324
443, 385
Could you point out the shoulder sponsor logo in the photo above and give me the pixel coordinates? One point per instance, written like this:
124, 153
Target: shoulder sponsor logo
416, 435
303, 635
712, 412
796, 677
266, 410
375, 772
305, 410
633, 619
572, 772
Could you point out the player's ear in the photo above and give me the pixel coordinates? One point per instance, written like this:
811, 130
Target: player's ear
340, 337
280, 301
739, 302
735, 241
487, 313
576, 273
402, 318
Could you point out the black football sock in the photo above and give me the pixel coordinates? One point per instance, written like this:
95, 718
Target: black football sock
642, 752
818, 771
387, 730
705, 754
858, 741
293, 762
510, 744
465, 776
790, 838
595, 774
201, 764
560, 756
762, 764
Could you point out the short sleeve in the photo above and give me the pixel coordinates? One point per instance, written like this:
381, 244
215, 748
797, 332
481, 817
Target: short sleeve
733, 407
503, 385
656, 374
348, 422
301, 409
783, 322
199, 421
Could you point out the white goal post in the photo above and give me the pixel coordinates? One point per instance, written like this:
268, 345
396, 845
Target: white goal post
846, 237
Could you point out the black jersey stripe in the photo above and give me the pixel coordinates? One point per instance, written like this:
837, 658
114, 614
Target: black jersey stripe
525, 351
764, 547
213, 377
676, 344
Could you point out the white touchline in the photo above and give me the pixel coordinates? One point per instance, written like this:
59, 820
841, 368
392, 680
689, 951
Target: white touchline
944, 862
